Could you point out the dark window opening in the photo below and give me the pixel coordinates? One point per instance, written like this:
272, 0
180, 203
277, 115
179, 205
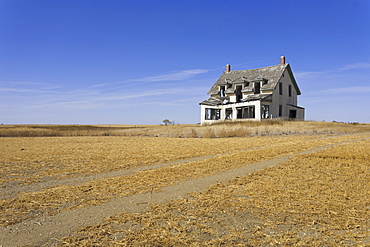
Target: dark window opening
246, 112
280, 88
212, 114
229, 113
265, 111
257, 88
293, 114
290, 90
238, 93
222, 91
280, 110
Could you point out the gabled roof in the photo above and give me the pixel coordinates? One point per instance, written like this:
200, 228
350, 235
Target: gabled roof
270, 75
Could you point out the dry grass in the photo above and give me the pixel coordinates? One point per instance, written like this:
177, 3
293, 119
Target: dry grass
239, 152
222, 129
320, 199
29, 160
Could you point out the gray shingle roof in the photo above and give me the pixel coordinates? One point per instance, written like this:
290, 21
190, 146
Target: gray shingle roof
214, 101
271, 75
217, 100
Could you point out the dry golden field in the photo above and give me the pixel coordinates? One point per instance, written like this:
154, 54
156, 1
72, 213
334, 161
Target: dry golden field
225, 129
278, 183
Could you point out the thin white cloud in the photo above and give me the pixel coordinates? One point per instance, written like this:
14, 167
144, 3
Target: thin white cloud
174, 76
308, 74
86, 99
346, 90
342, 91
24, 90
313, 74
356, 66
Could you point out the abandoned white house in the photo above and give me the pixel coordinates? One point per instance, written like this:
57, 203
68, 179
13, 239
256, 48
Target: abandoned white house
253, 94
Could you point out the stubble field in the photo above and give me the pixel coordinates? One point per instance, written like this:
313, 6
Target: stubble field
299, 184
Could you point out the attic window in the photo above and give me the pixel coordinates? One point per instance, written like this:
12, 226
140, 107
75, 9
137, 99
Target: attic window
222, 91
238, 93
257, 88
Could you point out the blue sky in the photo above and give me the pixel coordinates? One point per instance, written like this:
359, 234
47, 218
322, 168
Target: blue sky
139, 62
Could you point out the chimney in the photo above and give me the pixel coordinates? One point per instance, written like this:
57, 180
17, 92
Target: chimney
282, 60
228, 67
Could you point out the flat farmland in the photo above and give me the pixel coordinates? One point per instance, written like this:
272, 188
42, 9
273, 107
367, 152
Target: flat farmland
309, 188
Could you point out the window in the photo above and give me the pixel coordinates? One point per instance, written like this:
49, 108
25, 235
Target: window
280, 88
222, 91
257, 88
229, 113
290, 90
265, 111
280, 110
246, 112
293, 114
212, 114
238, 93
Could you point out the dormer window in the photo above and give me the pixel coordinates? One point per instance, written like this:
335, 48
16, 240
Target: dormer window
238, 93
257, 88
222, 91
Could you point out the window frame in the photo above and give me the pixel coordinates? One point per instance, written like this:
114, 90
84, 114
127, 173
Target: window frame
257, 88
280, 110
246, 112
280, 88
238, 93
222, 91
212, 114
265, 111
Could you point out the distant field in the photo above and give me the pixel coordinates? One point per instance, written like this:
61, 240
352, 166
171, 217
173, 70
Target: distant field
226, 129
308, 185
